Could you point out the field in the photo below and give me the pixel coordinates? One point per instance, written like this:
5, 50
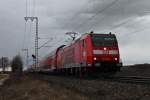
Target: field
2, 76
52, 87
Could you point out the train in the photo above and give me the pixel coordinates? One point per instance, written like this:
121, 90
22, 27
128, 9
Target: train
92, 52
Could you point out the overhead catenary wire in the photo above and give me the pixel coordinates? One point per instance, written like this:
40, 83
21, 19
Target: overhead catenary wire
101, 11
25, 28
74, 16
26, 8
105, 8
45, 43
129, 20
25, 24
130, 34
121, 24
29, 34
51, 45
134, 32
33, 9
126, 22
29, 11
31, 4
23, 42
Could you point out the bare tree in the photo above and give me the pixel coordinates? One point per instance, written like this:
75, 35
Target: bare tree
4, 62
17, 66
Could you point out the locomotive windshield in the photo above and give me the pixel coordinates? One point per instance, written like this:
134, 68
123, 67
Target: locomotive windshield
104, 40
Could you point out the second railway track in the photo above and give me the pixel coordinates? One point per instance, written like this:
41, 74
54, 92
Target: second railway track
121, 79
130, 79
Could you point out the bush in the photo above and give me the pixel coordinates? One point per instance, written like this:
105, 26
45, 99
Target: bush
17, 66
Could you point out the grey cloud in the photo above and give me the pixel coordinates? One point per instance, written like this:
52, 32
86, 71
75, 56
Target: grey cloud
59, 16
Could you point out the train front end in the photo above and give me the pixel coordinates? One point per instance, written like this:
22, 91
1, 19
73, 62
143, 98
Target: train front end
106, 54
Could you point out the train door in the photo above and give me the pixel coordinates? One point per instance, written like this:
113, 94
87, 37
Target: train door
84, 52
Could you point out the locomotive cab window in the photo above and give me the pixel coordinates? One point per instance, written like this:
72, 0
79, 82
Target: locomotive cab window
99, 40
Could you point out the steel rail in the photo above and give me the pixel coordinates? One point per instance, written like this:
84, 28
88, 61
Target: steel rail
130, 79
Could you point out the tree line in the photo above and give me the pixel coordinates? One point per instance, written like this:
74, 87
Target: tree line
4, 62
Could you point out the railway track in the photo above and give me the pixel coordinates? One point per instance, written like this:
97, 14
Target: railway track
122, 79
130, 79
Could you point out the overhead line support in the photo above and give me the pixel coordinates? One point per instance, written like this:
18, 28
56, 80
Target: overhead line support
36, 38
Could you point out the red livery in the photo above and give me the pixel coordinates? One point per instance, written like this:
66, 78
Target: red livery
91, 52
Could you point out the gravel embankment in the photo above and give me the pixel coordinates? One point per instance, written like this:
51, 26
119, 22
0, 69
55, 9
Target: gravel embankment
46, 87
103, 90
50, 87
142, 70
28, 88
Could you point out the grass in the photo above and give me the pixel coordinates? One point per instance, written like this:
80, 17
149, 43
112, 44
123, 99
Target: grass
32, 89
3, 76
41, 87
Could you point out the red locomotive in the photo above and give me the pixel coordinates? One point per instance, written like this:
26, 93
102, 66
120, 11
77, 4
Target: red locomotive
91, 52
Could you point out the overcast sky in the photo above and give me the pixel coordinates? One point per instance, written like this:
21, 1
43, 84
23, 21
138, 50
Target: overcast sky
128, 19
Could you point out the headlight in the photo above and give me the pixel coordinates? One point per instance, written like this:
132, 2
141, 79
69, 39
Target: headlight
116, 59
95, 58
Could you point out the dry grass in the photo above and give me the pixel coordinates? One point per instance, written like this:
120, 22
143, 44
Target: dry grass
32, 89
3, 76
47, 87
39, 87
135, 70
103, 90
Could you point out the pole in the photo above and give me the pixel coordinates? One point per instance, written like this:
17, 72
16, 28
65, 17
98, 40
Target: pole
36, 43
27, 56
2, 64
36, 38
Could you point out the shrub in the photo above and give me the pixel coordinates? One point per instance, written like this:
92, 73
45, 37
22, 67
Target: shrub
17, 66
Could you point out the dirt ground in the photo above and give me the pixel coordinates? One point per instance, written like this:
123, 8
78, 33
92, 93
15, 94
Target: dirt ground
50, 87
28, 88
3, 76
34, 87
142, 70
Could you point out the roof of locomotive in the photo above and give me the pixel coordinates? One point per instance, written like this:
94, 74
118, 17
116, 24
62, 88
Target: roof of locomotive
87, 34
98, 34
